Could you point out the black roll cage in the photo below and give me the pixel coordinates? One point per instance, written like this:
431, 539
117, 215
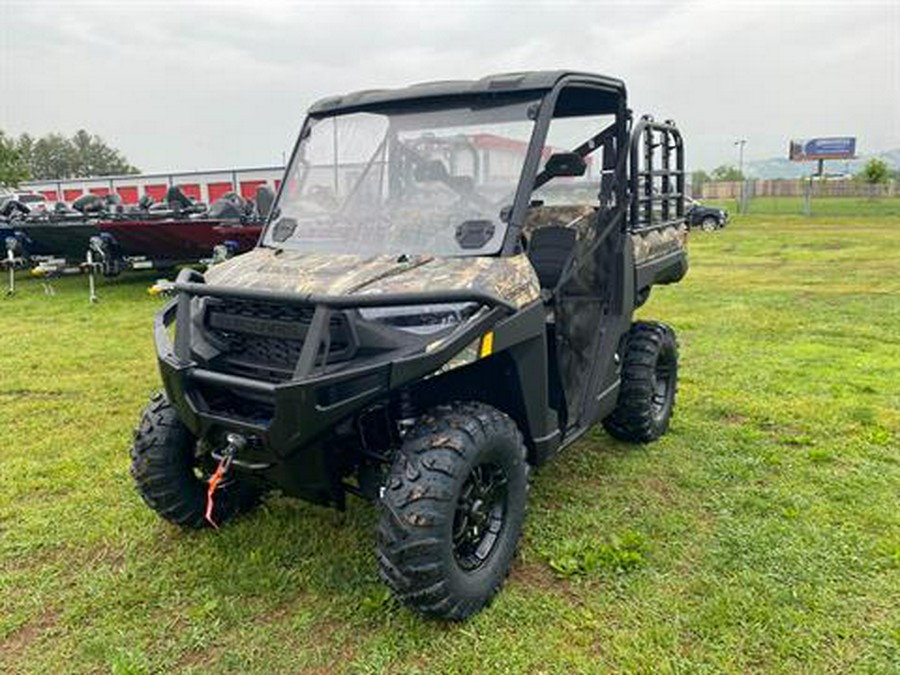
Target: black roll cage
633, 182
529, 172
528, 181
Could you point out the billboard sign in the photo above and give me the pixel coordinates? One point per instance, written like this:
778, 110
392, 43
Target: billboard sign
843, 147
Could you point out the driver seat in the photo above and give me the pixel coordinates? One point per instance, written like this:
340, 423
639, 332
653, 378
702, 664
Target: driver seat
549, 251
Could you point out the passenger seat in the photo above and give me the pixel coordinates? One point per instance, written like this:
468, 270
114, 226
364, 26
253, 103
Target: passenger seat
549, 250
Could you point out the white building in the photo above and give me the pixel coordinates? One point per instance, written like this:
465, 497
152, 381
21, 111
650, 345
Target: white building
205, 186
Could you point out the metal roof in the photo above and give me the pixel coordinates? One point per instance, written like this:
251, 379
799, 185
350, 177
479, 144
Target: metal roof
536, 80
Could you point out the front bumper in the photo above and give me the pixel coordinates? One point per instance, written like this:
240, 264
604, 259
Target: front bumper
288, 422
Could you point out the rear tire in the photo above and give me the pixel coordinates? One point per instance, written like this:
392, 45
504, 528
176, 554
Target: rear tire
452, 510
649, 382
172, 479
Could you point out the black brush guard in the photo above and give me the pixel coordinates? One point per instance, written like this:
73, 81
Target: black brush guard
287, 422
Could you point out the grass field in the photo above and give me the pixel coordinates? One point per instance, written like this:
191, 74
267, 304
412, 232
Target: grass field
761, 535
819, 206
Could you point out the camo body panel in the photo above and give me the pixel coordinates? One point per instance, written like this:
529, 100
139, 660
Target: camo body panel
468, 354
511, 278
650, 245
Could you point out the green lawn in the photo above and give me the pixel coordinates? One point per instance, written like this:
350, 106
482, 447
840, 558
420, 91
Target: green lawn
819, 206
761, 535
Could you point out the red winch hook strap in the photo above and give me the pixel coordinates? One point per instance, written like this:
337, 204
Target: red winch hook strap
214, 481
235, 443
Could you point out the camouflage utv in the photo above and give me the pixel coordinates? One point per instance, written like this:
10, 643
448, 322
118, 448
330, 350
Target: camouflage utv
442, 298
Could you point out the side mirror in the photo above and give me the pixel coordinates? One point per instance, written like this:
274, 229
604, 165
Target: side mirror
565, 164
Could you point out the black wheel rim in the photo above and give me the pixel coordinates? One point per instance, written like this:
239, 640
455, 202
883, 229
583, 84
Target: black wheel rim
663, 377
480, 516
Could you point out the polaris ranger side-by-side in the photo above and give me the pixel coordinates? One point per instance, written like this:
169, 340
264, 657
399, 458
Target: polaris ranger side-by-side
442, 298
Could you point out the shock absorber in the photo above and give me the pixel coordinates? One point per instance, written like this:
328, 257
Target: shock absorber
407, 412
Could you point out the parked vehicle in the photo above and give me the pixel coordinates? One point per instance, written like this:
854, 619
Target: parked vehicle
707, 218
34, 202
420, 327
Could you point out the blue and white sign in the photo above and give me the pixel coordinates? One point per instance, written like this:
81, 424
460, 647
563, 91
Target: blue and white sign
838, 147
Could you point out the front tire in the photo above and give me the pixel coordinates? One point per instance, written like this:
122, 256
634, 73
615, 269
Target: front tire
649, 381
709, 224
452, 510
171, 476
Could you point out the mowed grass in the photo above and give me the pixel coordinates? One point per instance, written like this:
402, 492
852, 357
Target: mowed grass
819, 206
762, 534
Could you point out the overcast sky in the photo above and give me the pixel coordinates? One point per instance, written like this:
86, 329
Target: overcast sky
180, 86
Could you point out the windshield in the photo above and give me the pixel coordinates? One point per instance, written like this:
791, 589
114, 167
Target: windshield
405, 181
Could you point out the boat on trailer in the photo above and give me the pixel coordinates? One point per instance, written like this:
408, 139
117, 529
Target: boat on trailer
101, 237
180, 240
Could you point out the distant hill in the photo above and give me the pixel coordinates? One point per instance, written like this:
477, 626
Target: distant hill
781, 167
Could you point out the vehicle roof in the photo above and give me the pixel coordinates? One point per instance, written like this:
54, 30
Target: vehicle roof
535, 80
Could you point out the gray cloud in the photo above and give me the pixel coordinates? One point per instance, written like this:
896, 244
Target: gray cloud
197, 85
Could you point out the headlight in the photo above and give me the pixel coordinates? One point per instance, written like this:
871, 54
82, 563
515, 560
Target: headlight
421, 319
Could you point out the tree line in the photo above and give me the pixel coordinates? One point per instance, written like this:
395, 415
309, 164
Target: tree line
874, 172
57, 157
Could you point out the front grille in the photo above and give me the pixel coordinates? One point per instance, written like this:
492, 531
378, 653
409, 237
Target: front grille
260, 339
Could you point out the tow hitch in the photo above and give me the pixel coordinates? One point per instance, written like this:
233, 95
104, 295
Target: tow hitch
236, 442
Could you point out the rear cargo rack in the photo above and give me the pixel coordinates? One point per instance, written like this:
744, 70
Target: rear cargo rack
657, 179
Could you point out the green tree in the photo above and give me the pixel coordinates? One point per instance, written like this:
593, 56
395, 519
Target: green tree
56, 157
727, 173
13, 169
94, 158
52, 156
25, 146
698, 178
875, 172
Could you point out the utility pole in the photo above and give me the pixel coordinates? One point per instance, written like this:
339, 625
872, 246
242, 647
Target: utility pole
740, 143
